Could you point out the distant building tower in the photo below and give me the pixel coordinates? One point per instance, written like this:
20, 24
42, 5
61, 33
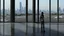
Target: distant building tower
63, 9
21, 8
24, 9
60, 9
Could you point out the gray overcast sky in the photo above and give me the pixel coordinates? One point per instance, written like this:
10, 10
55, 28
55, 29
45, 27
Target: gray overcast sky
43, 4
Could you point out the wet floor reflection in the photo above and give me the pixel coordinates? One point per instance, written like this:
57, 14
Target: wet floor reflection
20, 29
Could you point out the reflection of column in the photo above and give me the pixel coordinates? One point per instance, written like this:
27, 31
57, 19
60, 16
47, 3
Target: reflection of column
7, 29
12, 29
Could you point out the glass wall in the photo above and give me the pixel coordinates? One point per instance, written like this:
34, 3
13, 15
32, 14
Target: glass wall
54, 11
61, 11
44, 7
20, 11
7, 10
5, 15
30, 12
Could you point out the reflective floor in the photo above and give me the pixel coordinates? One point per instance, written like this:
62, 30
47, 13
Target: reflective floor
20, 29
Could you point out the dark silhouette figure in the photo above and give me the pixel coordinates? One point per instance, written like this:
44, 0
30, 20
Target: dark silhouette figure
42, 22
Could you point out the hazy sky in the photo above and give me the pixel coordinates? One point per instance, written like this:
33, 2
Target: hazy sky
44, 4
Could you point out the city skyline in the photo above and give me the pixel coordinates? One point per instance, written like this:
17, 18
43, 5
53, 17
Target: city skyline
44, 4
23, 9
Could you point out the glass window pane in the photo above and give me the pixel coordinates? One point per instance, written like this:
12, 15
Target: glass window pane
54, 11
61, 11
20, 11
7, 10
30, 12
44, 8
5, 27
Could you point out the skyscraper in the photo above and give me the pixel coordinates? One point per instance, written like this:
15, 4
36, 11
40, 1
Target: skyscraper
21, 8
63, 9
60, 10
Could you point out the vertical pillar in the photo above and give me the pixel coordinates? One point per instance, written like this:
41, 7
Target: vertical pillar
34, 3
3, 16
49, 17
3, 11
0, 15
0, 10
26, 17
57, 17
38, 11
12, 12
38, 14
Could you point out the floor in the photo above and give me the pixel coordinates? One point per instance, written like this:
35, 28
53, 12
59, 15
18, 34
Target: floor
20, 29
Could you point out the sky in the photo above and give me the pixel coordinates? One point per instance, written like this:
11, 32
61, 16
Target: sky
43, 4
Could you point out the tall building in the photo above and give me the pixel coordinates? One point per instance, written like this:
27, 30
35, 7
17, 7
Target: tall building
21, 8
24, 10
60, 10
30, 11
63, 9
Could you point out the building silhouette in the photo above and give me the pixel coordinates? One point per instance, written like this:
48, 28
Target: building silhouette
63, 9
21, 8
60, 10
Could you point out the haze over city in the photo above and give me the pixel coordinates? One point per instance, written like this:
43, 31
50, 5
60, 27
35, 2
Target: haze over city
42, 6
